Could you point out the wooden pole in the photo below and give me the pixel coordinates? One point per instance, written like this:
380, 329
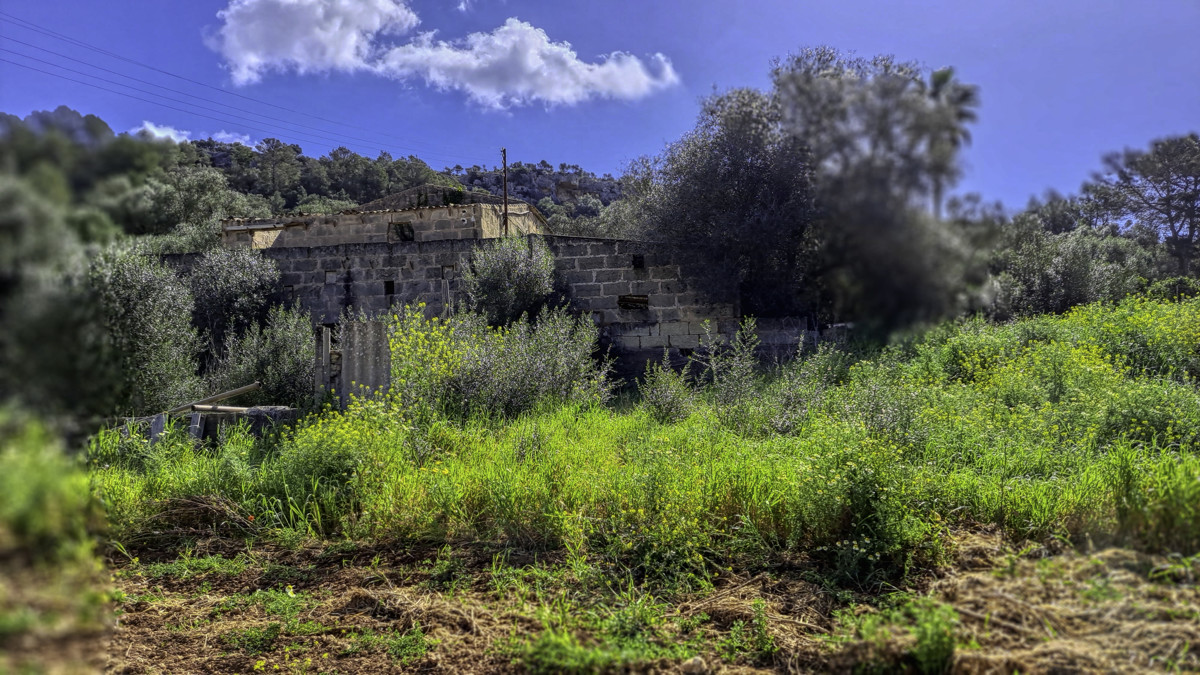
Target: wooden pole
504, 158
218, 408
213, 399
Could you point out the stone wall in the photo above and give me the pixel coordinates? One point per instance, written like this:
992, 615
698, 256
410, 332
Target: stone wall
437, 223
636, 293
642, 296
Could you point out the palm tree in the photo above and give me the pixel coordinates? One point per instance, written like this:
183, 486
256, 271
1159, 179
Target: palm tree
954, 105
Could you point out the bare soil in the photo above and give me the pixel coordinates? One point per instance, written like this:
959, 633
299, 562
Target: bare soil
1025, 609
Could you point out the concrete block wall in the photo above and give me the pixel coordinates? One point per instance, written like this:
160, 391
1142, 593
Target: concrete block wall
371, 278
637, 293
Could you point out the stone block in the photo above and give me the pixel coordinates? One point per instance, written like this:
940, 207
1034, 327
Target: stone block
585, 290
674, 328
646, 287
658, 300
615, 288
579, 277
665, 272
305, 265
600, 302
589, 263
628, 342
328, 264
635, 330
606, 276
655, 342
685, 341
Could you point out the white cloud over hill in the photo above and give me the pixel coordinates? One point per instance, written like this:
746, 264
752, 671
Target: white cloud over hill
514, 64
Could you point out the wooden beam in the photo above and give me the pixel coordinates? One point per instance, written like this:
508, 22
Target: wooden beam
215, 398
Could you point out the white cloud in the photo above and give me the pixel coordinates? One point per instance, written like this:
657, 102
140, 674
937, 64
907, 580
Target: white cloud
231, 137
305, 35
515, 64
160, 131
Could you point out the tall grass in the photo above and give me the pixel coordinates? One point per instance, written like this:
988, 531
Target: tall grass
1073, 426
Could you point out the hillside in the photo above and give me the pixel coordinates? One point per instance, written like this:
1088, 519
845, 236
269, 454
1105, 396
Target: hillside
534, 182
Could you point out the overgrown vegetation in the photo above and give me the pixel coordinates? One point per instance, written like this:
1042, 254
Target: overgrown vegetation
674, 523
513, 277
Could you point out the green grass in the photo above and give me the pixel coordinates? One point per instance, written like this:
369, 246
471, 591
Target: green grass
187, 566
403, 647
1076, 426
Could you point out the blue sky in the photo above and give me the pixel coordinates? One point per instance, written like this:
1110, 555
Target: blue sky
452, 81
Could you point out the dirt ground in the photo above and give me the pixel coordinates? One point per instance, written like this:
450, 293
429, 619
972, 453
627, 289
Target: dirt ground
347, 609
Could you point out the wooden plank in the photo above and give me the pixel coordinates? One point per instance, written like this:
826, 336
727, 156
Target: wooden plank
215, 398
219, 408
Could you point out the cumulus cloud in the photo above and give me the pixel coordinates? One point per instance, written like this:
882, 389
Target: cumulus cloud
515, 64
305, 35
518, 63
149, 129
231, 137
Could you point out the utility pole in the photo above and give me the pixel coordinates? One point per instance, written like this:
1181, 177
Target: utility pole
504, 158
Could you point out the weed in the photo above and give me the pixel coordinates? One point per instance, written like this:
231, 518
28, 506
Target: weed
405, 647
254, 640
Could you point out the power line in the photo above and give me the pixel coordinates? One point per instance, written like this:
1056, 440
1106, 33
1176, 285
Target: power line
324, 138
146, 100
29, 25
332, 135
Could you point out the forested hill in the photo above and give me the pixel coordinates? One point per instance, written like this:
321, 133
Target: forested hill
91, 165
567, 184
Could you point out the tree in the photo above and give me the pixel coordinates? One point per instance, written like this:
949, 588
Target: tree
278, 167
881, 147
1159, 188
737, 192
232, 290
954, 103
146, 312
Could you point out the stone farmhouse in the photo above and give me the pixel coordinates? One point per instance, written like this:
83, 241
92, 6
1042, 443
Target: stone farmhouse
368, 262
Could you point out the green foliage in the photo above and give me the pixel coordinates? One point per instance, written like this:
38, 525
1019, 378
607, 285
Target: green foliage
512, 278
46, 508
753, 639
188, 566
404, 648
737, 192
146, 312
253, 640
462, 368
281, 355
1075, 426
666, 394
1038, 272
232, 290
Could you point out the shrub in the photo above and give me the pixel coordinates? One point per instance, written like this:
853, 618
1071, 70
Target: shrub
462, 368
46, 509
1175, 288
232, 290
146, 313
729, 368
801, 386
511, 278
281, 356
665, 393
